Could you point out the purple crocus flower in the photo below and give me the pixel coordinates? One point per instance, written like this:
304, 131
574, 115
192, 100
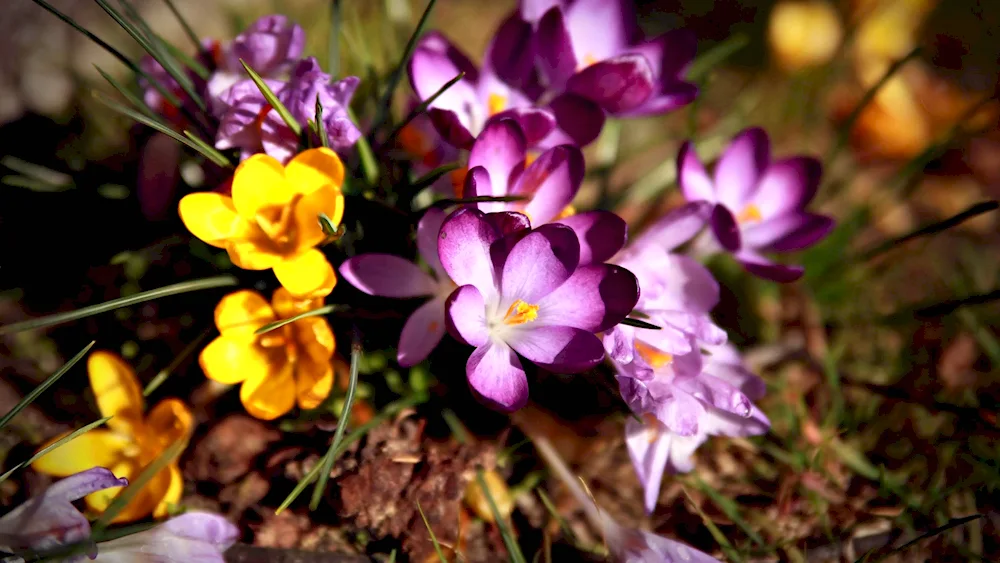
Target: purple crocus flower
759, 204
48, 520
386, 275
195, 537
270, 45
594, 49
525, 291
462, 111
249, 123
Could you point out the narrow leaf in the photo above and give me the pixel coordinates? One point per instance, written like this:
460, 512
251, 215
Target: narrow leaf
313, 313
208, 150
369, 166
434, 540
324, 137
422, 108
513, 549
165, 372
130, 96
639, 324
715, 56
931, 229
184, 24
333, 40
433, 176
174, 289
61, 441
49, 382
478, 199
273, 100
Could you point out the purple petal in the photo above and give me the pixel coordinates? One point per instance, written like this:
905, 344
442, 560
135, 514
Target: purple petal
669, 54
277, 139
594, 298
539, 263
478, 184
386, 275
435, 61
197, 537
508, 222
617, 85
718, 422
421, 333
690, 286
451, 128
670, 97
648, 446
681, 413
677, 227
501, 150
663, 549
692, 177
787, 185
555, 49
766, 269
270, 45
533, 10
740, 168
724, 362
725, 228
550, 183
601, 233
535, 123
698, 326
619, 343
814, 229
466, 319
427, 239
561, 349
464, 249
496, 375
579, 120
600, 29
788, 233
718, 393
511, 53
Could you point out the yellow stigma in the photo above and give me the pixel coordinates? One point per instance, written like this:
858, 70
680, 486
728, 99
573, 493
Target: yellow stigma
496, 103
655, 358
750, 214
567, 211
520, 312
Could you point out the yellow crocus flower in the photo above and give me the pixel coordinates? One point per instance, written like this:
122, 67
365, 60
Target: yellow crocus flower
291, 363
271, 220
130, 442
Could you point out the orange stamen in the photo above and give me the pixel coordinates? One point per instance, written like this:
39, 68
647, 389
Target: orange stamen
496, 103
655, 358
750, 214
520, 312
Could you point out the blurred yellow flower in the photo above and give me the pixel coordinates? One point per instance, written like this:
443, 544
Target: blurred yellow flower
271, 220
291, 363
803, 34
128, 444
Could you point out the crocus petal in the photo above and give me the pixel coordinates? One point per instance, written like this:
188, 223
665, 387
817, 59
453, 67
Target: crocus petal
451, 127
314, 169
600, 28
466, 320
787, 185
422, 332
740, 167
579, 120
683, 283
49, 519
435, 62
717, 393
313, 382
97, 448
535, 123
427, 239
327, 200
692, 177
663, 549
253, 254
677, 226
533, 10
307, 274
268, 44
478, 184
539, 263
170, 421
171, 497
788, 233
698, 326
561, 349
725, 228
212, 218
554, 46
508, 222
270, 396
601, 234
551, 183
617, 84
668, 54
720, 422
464, 249
196, 537
495, 374
681, 413
500, 149
594, 298
116, 389
240, 313
259, 183
766, 269
386, 275
648, 445
511, 53
672, 96
619, 343
141, 505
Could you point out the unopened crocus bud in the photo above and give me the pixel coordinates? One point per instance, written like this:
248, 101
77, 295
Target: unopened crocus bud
804, 34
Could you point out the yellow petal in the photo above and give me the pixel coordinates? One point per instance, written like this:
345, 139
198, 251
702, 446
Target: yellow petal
256, 253
169, 421
172, 496
97, 448
212, 218
326, 199
116, 389
270, 396
313, 382
315, 338
307, 274
144, 503
242, 312
258, 183
232, 360
312, 169
286, 305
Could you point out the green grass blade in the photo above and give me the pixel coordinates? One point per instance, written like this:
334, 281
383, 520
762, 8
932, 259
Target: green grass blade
130, 96
384, 104
715, 56
422, 108
931, 229
184, 24
324, 137
369, 166
273, 100
49, 382
314, 313
629, 321
208, 151
477, 199
434, 540
338, 436
434, 175
513, 550
164, 373
333, 40
563, 524
731, 511
174, 289
61, 441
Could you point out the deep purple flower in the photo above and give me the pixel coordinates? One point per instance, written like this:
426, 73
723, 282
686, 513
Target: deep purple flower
525, 291
462, 111
391, 276
593, 48
195, 537
49, 519
250, 123
759, 203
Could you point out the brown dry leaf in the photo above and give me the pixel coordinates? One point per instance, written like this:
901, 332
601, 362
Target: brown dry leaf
229, 449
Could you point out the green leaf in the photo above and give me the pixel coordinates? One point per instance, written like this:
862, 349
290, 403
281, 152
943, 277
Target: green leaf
422, 108
513, 549
313, 313
369, 165
164, 373
324, 137
273, 100
477, 199
433, 176
731, 511
130, 96
174, 289
338, 436
434, 540
61, 441
715, 56
930, 229
333, 40
49, 382
639, 324
208, 150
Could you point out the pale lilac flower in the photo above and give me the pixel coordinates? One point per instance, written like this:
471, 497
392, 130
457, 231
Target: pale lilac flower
594, 49
49, 520
386, 275
759, 203
249, 123
192, 537
270, 46
525, 291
